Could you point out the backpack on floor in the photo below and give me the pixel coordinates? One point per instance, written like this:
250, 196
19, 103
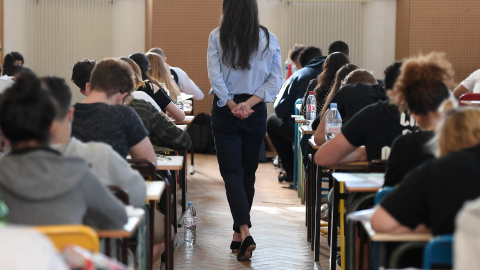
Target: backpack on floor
200, 131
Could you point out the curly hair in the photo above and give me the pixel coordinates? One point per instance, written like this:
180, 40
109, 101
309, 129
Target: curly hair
82, 71
421, 86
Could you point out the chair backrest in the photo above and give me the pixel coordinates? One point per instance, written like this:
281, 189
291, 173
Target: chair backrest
299, 101
381, 194
468, 97
147, 168
438, 251
80, 235
120, 193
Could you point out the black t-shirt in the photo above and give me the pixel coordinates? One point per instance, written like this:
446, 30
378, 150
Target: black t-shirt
433, 193
160, 97
376, 126
116, 125
408, 152
352, 98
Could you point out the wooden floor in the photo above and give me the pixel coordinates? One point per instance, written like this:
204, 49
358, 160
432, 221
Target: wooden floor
278, 220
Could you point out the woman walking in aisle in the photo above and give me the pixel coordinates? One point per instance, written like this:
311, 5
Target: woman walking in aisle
245, 72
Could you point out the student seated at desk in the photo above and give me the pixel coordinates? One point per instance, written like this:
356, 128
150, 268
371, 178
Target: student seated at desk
421, 88
430, 196
163, 132
375, 127
106, 164
103, 117
40, 186
153, 89
360, 89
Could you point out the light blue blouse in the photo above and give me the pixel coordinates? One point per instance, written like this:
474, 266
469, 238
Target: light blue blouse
264, 79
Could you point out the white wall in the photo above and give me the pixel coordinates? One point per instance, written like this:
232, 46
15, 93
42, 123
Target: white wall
129, 27
14, 32
379, 34
127, 35
379, 47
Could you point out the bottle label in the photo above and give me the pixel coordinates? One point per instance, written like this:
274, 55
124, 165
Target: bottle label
311, 108
333, 129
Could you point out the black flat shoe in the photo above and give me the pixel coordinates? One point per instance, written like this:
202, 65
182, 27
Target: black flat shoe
284, 177
246, 249
235, 246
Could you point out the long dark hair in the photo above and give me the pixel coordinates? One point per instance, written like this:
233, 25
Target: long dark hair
326, 79
239, 32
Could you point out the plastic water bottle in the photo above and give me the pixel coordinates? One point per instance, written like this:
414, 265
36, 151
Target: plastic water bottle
3, 213
288, 70
180, 103
333, 122
190, 224
311, 108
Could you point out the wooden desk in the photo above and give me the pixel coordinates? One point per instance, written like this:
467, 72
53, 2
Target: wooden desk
354, 182
169, 163
154, 193
361, 182
187, 121
126, 232
182, 127
337, 204
300, 120
383, 238
307, 130
187, 109
155, 190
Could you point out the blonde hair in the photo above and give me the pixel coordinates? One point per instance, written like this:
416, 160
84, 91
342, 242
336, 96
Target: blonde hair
460, 129
360, 76
137, 73
160, 73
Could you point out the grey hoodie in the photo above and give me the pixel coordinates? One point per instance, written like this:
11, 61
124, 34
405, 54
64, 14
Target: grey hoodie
40, 187
108, 166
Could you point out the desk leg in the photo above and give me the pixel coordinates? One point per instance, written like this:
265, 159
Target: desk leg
151, 214
342, 225
382, 255
169, 246
192, 168
334, 225
318, 205
125, 251
183, 180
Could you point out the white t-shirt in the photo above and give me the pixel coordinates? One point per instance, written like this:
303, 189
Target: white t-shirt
5, 82
25, 248
147, 98
187, 85
472, 82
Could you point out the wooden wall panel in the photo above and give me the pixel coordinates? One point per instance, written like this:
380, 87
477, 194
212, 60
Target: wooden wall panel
440, 25
181, 29
2, 43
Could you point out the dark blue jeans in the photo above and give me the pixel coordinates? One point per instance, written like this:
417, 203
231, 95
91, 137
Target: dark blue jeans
238, 145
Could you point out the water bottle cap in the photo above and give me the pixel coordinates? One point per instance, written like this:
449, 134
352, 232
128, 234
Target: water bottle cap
311, 93
190, 203
333, 105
